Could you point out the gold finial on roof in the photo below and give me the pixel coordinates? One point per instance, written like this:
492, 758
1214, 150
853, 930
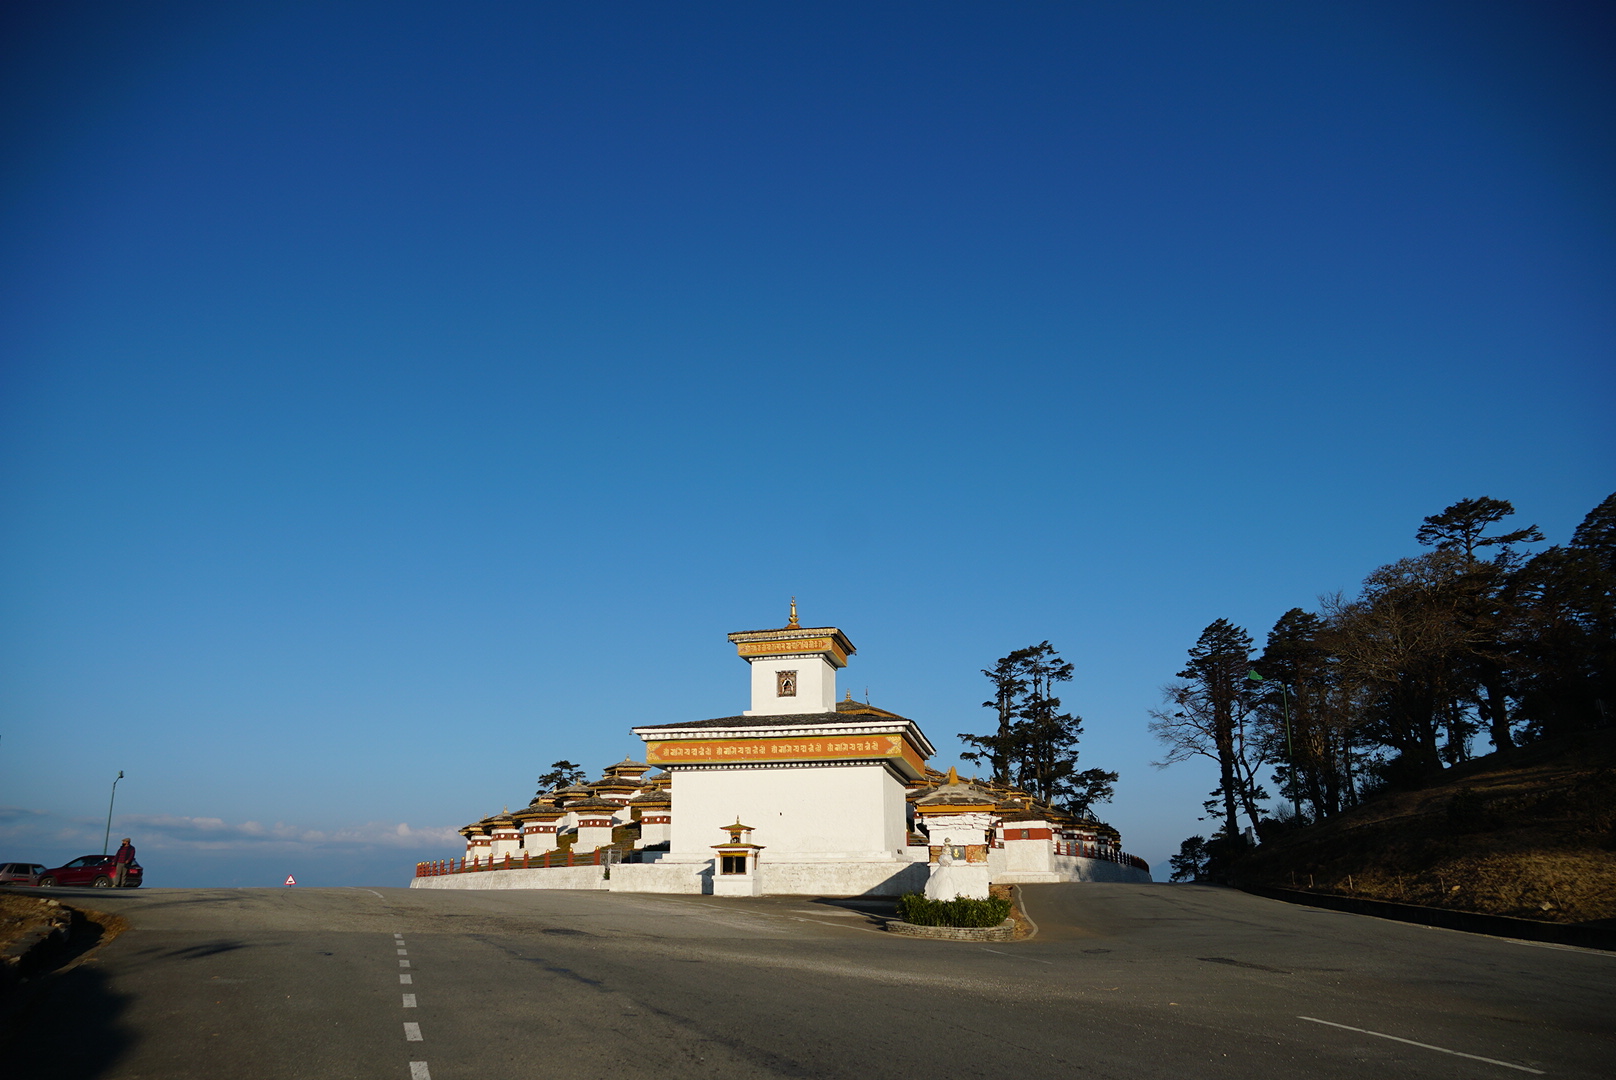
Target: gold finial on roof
793, 624
953, 775
850, 695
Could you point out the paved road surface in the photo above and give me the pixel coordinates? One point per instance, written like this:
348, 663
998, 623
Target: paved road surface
1122, 981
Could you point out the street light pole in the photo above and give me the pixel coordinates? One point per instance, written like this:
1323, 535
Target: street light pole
1290, 749
107, 839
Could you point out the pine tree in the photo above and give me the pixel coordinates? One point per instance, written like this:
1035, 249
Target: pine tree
1035, 743
1484, 597
1208, 714
1567, 636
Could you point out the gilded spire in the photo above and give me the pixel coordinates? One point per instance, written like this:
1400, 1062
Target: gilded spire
793, 624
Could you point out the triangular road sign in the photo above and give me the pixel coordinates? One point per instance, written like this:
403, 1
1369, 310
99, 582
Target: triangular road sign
290, 880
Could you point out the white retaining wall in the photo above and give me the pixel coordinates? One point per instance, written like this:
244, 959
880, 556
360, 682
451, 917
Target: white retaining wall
663, 877
823, 878
556, 877
888, 878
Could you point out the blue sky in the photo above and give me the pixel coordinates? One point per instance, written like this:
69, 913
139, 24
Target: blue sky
397, 398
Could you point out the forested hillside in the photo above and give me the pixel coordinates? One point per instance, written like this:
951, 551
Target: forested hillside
1529, 833
1478, 644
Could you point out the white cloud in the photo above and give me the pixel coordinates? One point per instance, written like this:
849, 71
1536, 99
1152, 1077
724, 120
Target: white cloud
21, 827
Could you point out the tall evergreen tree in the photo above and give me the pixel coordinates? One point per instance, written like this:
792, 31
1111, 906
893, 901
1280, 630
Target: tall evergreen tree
1208, 714
1484, 598
1462, 527
1567, 636
1034, 745
1293, 703
1009, 678
562, 774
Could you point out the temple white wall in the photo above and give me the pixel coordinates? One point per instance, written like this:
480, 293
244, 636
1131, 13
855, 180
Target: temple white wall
959, 829
591, 837
847, 811
1024, 855
653, 833
816, 686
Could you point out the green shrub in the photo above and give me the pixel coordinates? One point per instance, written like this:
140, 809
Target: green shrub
960, 911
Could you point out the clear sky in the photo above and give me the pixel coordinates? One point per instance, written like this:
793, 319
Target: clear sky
396, 398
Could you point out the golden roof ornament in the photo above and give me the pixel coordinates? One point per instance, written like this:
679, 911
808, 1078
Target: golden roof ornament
793, 624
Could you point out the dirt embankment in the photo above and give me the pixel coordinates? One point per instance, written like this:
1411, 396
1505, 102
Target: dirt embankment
39, 934
1530, 833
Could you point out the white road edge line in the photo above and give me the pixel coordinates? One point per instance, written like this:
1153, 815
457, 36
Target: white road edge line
409, 1001
418, 1071
403, 963
1013, 956
405, 980
1424, 1046
1557, 945
412, 1032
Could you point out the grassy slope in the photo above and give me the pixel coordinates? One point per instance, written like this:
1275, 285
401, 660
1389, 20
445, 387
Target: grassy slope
1531, 833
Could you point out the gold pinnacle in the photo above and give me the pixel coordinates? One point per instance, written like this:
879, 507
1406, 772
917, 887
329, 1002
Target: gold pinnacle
792, 625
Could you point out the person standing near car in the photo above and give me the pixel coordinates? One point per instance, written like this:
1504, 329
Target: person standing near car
125, 856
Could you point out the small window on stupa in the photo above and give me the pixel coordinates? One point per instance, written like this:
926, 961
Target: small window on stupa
785, 684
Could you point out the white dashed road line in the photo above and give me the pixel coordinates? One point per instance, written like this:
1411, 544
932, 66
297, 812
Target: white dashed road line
1423, 1046
412, 1031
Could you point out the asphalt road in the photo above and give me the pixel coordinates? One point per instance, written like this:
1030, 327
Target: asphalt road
1122, 980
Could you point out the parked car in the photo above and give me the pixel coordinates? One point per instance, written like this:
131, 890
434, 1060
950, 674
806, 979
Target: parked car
20, 873
96, 870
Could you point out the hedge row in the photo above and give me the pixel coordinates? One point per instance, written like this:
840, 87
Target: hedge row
960, 911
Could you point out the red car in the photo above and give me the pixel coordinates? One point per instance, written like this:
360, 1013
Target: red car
95, 870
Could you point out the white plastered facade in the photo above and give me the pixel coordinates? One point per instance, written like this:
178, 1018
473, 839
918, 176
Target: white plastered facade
813, 678
840, 811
